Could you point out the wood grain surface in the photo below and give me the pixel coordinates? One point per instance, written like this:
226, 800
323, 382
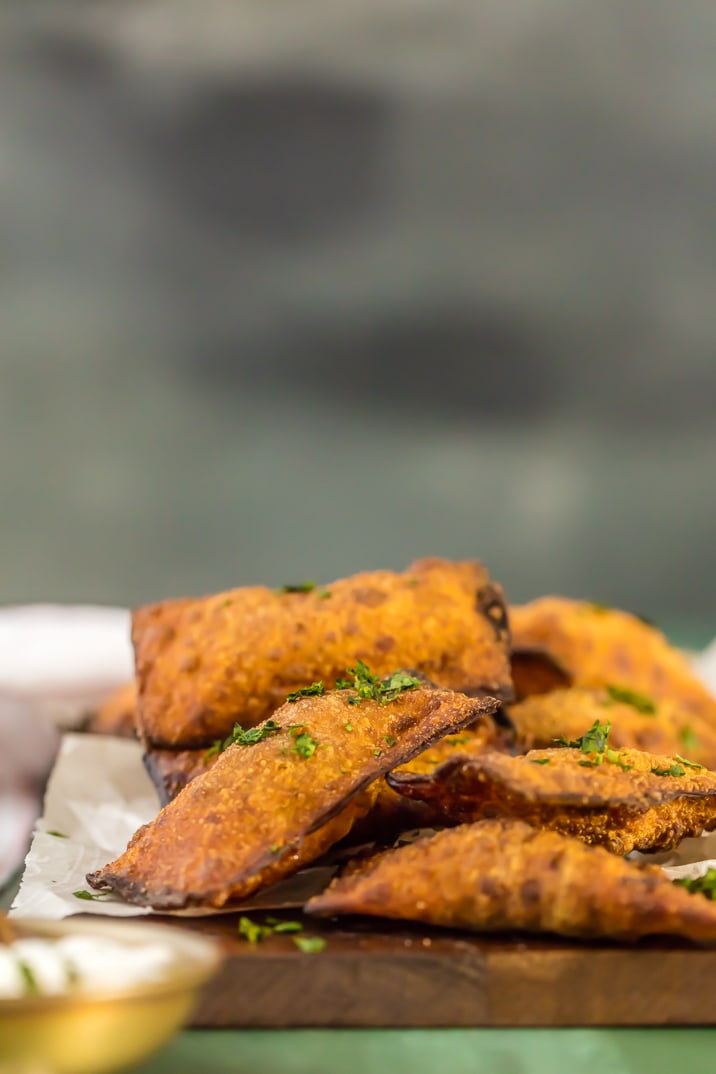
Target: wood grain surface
375, 974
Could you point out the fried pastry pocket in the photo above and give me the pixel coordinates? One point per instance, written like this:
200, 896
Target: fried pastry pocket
204, 665
623, 800
598, 646
503, 876
281, 795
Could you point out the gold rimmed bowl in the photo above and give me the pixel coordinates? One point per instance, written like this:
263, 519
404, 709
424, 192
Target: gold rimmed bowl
98, 1032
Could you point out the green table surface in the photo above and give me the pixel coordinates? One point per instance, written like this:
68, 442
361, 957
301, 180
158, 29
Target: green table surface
448, 1051
428, 1051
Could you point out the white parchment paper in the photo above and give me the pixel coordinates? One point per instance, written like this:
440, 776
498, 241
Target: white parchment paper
98, 795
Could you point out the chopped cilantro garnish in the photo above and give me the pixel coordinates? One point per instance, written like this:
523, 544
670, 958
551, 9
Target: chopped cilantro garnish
377, 753
252, 931
458, 740
673, 770
58, 835
349, 727
689, 764
396, 684
314, 690
254, 734
370, 687
324, 594
239, 737
310, 945
703, 885
256, 933
90, 896
638, 701
304, 746
218, 747
542, 760
616, 759
284, 926
301, 587
689, 739
593, 741
591, 764
390, 740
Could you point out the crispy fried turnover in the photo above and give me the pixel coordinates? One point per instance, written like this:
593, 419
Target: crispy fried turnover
628, 800
117, 716
602, 646
664, 728
271, 805
203, 665
502, 875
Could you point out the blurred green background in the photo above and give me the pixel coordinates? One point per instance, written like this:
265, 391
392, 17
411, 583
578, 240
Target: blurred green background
289, 291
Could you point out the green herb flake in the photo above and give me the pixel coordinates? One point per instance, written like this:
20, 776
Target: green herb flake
310, 945
673, 770
218, 747
689, 764
304, 746
413, 581
254, 734
638, 701
458, 740
370, 687
275, 848
702, 885
90, 896
252, 931
390, 740
286, 926
325, 594
591, 764
377, 753
32, 988
544, 760
58, 835
614, 758
316, 689
594, 741
301, 587
349, 727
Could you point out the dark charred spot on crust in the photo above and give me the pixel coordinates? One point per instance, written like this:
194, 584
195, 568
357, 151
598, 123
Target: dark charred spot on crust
490, 603
530, 892
385, 643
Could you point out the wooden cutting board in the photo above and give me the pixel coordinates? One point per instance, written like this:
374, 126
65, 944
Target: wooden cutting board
375, 974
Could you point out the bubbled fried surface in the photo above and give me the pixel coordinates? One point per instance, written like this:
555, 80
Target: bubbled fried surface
264, 810
502, 875
601, 646
621, 804
203, 665
540, 719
